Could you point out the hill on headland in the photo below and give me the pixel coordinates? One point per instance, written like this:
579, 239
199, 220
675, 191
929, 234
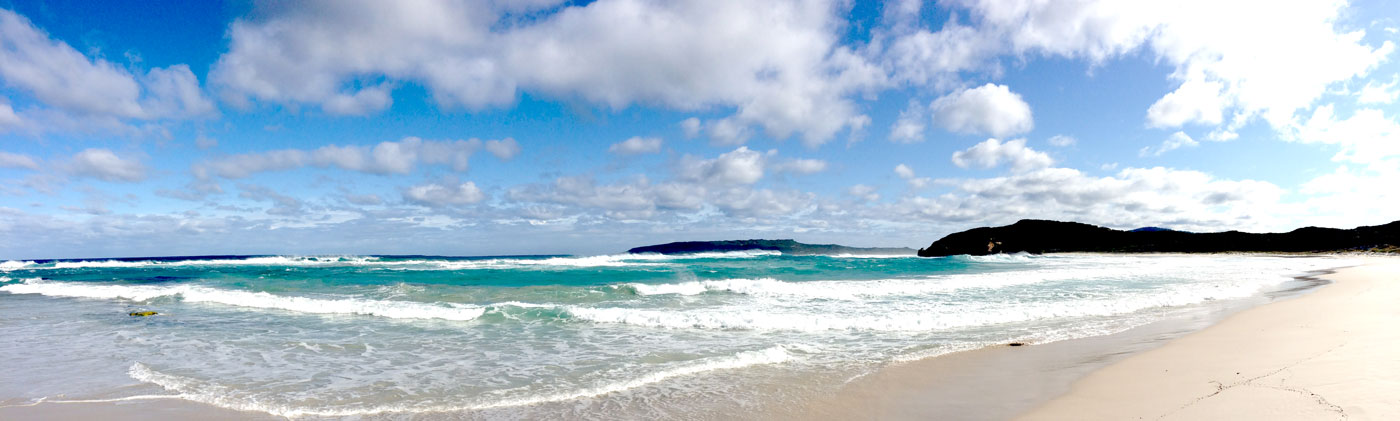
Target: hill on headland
784, 246
1039, 236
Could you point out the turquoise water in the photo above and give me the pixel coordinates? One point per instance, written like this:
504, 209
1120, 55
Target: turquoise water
632, 336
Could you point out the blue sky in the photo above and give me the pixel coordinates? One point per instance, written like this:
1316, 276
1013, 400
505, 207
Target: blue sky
508, 127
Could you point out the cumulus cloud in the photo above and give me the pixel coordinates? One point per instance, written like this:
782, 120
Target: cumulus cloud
992, 153
778, 65
105, 165
989, 109
66, 81
384, 158
925, 58
636, 145
14, 160
909, 128
449, 194
1221, 67
8, 118
908, 175
691, 127
1366, 137
1379, 93
1175, 141
505, 149
864, 192
738, 167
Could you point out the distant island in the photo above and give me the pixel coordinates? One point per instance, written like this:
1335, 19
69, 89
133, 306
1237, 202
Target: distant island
1040, 236
784, 246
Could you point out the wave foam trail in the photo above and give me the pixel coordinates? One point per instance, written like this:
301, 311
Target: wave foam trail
913, 317
382, 308
10, 265
226, 397
866, 289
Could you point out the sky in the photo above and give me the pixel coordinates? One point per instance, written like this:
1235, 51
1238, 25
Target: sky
545, 127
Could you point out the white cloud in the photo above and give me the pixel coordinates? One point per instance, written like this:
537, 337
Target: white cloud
14, 160
505, 149
1195, 101
384, 158
864, 192
364, 199
636, 145
1134, 197
727, 132
1175, 141
1223, 67
738, 167
1367, 137
992, 153
801, 166
450, 194
903, 171
989, 109
282, 205
205, 142
363, 102
1062, 140
778, 65
910, 127
68, 82
105, 165
907, 174
8, 118
925, 58
691, 127
1379, 93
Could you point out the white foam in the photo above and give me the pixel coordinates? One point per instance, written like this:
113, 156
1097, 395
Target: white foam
223, 396
10, 265
875, 316
867, 289
348, 305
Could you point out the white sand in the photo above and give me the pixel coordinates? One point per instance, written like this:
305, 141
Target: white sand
1330, 354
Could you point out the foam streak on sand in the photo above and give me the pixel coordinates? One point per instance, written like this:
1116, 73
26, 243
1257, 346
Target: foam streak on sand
224, 397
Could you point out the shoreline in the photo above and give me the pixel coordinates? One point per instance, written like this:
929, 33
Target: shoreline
1001, 382
1170, 369
1327, 354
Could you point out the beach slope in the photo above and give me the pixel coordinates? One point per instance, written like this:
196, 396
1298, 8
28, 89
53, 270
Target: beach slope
1330, 354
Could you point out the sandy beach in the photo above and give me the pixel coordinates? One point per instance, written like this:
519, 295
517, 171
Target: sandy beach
1329, 354
1320, 355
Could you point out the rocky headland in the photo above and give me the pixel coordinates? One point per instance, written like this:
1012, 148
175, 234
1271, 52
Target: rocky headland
1040, 236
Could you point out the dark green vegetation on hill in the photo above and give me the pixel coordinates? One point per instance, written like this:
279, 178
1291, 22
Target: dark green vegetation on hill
784, 246
1039, 236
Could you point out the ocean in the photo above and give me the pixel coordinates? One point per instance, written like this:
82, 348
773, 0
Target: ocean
710, 335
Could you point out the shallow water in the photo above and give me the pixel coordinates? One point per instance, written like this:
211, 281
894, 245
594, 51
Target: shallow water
698, 336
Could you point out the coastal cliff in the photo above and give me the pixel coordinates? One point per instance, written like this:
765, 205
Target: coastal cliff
784, 246
1040, 236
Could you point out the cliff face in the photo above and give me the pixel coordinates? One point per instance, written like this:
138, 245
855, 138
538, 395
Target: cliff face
1039, 236
784, 246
